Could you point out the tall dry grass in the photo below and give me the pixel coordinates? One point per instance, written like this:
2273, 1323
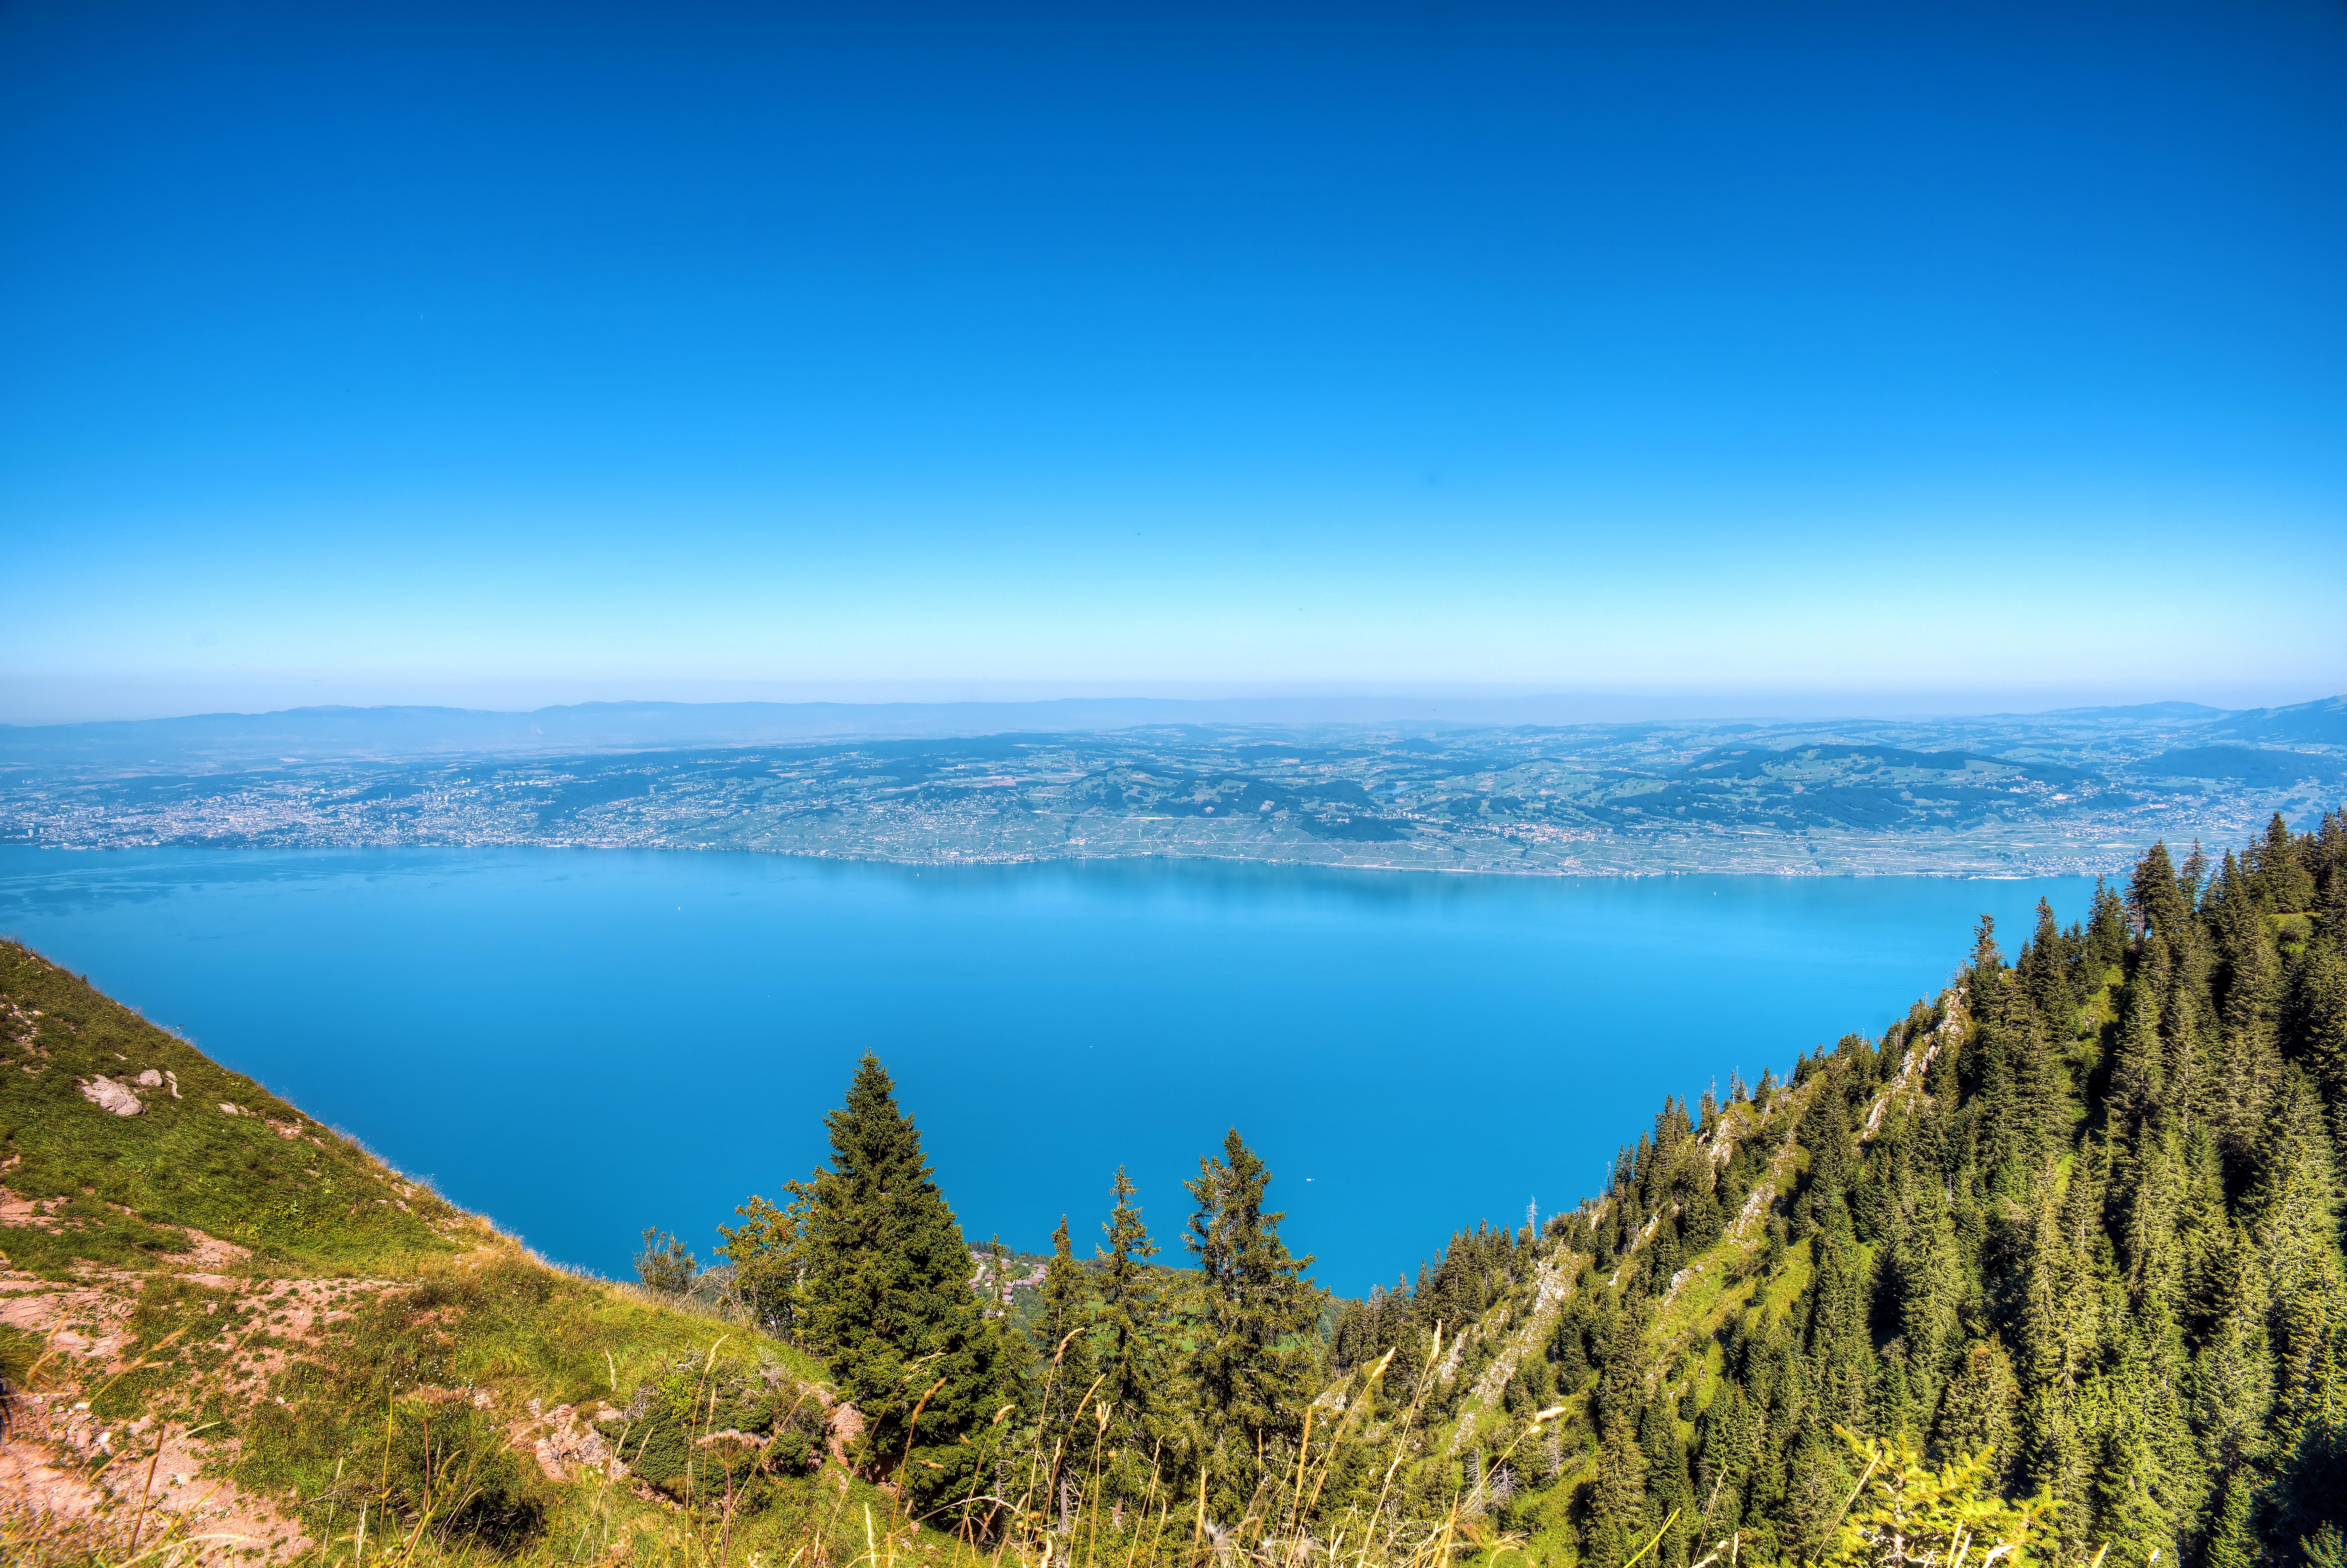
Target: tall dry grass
862, 1522
1284, 1524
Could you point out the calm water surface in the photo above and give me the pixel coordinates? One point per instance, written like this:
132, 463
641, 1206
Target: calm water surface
581, 1043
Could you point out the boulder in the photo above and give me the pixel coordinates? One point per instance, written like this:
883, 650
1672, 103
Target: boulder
107, 1095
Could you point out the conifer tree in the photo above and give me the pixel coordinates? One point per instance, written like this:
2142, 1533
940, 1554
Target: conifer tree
2191, 876
1063, 1362
1671, 1502
1825, 1132
1253, 1309
2286, 884
2318, 1018
2107, 934
2232, 1542
2153, 898
2045, 976
1987, 966
1618, 1505
2145, 1464
888, 1301
2038, 1126
2250, 1062
2233, 1371
1132, 1352
1818, 1483
1928, 1280
2292, 1219
1977, 1414
2189, 1024
2140, 1073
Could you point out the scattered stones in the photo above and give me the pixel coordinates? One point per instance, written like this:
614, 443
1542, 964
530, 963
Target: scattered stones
107, 1095
561, 1442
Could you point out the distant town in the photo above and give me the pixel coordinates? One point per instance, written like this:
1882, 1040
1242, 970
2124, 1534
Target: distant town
2003, 796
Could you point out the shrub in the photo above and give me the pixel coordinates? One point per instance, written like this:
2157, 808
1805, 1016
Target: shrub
665, 1263
698, 1433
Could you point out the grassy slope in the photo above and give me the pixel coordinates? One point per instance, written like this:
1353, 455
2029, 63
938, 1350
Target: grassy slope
269, 1179
1726, 1280
1732, 1277
354, 1313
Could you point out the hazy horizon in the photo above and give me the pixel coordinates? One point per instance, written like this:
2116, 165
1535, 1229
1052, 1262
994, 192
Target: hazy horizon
507, 355
1397, 701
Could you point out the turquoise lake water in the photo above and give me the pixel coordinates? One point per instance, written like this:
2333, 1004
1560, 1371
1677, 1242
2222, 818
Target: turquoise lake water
581, 1043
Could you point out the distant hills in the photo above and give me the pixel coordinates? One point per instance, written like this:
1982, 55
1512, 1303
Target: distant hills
205, 741
330, 733
2251, 765
2321, 724
2139, 710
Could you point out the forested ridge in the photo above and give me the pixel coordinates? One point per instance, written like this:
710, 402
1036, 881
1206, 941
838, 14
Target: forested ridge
2063, 1244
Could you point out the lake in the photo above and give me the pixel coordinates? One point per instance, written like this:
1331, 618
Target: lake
581, 1043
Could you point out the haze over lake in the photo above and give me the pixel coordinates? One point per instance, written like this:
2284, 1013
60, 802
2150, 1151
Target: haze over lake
582, 1043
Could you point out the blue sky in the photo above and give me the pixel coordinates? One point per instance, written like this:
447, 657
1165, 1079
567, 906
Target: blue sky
1902, 355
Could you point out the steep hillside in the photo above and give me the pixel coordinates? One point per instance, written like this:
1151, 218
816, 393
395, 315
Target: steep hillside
118, 1138
227, 1331
2081, 1214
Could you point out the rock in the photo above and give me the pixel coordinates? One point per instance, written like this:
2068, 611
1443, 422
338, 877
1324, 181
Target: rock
150, 1079
842, 1427
107, 1095
173, 1080
229, 1107
564, 1445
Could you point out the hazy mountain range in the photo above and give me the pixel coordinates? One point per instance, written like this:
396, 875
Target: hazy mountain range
328, 733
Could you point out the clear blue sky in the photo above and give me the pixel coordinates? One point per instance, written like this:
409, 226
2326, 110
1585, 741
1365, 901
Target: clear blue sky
505, 354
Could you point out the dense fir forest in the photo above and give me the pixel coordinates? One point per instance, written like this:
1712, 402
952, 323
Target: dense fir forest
2056, 1265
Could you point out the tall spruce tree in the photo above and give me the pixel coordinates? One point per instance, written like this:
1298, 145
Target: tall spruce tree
2107, 934
2045, 975
1251, 1320
2154, 896
1067, 1381
1131, 1337
1619, 1500
888, 1301
2285, 884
